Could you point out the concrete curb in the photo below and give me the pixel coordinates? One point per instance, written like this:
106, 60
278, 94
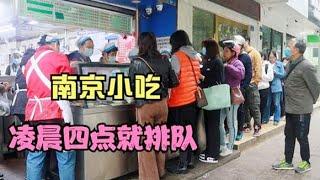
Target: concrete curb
255, 140
201, 169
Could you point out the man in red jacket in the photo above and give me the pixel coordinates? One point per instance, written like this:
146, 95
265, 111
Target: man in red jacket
41, 109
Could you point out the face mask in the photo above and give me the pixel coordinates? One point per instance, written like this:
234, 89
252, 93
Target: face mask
88, 52
112, 59
287, 52
204, 51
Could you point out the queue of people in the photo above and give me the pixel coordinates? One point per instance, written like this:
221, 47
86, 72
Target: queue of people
256, 84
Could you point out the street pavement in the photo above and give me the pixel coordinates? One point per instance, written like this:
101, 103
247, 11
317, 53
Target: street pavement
255, 163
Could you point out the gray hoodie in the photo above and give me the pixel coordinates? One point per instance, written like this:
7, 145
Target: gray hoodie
190, 52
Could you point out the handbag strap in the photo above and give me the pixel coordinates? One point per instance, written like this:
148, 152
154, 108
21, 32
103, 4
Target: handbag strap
194, 74
145, 62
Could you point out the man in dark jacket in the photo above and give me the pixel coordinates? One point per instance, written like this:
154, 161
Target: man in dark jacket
20, 97
246, 60
302, 89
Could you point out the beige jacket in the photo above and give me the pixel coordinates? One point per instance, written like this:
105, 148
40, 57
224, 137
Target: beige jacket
256, 65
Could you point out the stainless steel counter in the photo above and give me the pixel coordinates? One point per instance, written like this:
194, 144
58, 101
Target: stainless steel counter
104, 165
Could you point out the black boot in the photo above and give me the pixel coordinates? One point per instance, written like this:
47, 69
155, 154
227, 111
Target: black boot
179, 168
1, 176
190, 160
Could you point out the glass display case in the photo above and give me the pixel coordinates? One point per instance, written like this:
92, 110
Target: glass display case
109, 70
96, 165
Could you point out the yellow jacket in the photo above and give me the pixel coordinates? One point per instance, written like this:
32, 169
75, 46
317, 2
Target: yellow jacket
256, 65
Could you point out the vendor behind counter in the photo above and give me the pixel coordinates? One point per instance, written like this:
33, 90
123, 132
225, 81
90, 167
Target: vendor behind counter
86, 46
109, 54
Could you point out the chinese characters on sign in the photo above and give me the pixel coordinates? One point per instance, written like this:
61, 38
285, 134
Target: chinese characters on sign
65, 87
103, 138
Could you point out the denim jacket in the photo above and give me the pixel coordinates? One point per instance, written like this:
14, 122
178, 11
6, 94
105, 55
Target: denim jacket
279, 74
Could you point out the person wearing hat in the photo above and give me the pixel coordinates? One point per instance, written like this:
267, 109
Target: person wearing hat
246, 61
234, 73
41, 109
109, 54
252, 106
13, 67
86, 46
20, 97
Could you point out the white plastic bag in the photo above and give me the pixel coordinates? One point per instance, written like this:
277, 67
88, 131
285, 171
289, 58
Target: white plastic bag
5, 104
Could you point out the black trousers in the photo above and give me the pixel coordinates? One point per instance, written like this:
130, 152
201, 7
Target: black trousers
241, 112
282, 103
21, 117
212, 122
264, 94
185, 115
297, 127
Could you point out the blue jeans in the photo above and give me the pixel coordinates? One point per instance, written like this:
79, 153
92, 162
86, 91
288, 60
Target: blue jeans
275, 98
66, 164
231, 115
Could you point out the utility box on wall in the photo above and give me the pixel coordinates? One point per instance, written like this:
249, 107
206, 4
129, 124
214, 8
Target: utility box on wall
313, 49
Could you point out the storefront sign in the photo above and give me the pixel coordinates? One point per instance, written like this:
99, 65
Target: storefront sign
314, 11
313, 39
163, 44
249, 8
61, 12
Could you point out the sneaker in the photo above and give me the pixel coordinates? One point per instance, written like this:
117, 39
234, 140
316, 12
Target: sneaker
226, 152
209, 160
247, 128
283, 165
222, 148
239, 136
303, 167
271, 118
203, 154
275, 123
256, 131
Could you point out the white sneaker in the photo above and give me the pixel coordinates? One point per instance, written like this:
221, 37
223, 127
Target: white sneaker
226, 152
271, 118
222, 148
209, 160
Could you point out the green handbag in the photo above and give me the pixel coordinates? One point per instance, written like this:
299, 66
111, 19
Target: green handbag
218, 97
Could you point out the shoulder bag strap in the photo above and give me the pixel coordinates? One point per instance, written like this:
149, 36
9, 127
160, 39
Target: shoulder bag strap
143, 60
291, 69
194, 74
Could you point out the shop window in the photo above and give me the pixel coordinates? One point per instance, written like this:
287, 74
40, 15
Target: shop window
277, 39
288, 38
226, 29
272, 40
203, 27
266, 39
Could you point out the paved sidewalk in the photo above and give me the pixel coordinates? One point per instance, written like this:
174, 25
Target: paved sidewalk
255, 163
